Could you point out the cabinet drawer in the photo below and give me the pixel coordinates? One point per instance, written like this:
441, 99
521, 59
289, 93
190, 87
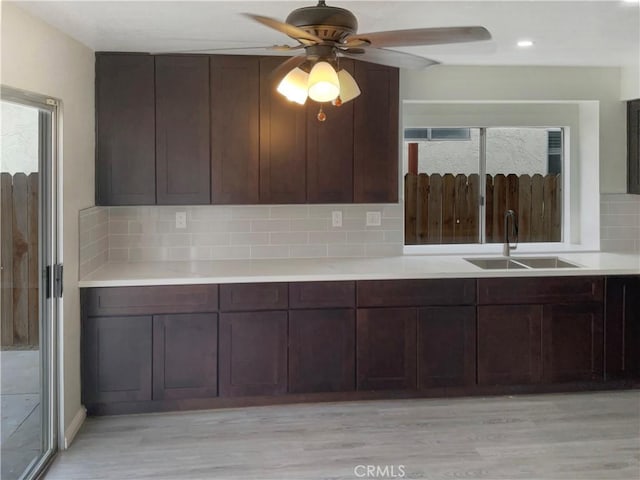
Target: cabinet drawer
322, 294
407, 293
505, 291
253, 296
150, 300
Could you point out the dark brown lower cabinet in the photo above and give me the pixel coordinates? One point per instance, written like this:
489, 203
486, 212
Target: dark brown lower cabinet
622, 328
386, 348
446, 347
509, 344
322, 350
572, 340
116, 359
253, 353
185, 356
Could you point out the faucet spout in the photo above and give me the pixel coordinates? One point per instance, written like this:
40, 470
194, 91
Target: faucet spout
506, 248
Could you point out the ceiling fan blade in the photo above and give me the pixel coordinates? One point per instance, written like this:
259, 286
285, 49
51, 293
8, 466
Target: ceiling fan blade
243, 50
285, 67
419, 36
391, 58
286, 28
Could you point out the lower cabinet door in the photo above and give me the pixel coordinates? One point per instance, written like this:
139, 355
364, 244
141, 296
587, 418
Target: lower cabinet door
509, 344
185, 356
116, 359
572, 343
446, 346
253, 353
322, 350
386, 348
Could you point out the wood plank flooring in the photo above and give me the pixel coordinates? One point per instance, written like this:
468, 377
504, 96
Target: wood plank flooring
559, 436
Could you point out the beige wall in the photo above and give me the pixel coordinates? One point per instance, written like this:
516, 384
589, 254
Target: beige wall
536, 83
38, 58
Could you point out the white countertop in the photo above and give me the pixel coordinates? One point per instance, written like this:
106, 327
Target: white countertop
323, 269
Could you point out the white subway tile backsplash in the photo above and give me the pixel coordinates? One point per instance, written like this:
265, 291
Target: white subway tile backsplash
239, 232
620, 223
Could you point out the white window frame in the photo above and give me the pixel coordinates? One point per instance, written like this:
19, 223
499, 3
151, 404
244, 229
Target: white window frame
580, 175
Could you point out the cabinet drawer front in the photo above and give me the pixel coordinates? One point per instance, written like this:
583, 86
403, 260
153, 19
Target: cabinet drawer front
322, 294
406, 293
540, 290
253, 296
150, 300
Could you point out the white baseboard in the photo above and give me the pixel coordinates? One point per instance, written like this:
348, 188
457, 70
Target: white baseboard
74, 427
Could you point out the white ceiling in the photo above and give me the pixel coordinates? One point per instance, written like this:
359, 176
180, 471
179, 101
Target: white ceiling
595, 33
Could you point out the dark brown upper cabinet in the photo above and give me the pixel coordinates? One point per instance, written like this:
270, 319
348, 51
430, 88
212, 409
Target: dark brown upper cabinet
182, 129
282, 142
633, 146
235, 129
125, 129
330, 151
375, 134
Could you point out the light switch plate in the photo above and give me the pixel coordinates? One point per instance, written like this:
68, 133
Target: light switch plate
336, 218
181, 219
374, 219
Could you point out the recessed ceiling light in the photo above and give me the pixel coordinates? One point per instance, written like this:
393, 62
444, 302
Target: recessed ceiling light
525, 43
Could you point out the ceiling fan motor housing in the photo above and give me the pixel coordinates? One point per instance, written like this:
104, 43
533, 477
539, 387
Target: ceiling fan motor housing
329, 23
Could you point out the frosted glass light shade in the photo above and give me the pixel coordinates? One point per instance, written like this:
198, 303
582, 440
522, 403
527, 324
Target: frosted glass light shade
348, 87
294, 86
324, 85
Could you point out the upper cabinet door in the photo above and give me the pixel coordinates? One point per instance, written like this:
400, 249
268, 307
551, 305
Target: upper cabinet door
182, 129
330, 151
633, 145
282, 142
375, 134
125, 130
235, 113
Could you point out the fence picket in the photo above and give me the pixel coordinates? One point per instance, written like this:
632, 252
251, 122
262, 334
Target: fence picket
524, 208
448, 208
6, 244
499, 204
423, 209
537, 227
410, 208
20, 261
434, 231
33, 295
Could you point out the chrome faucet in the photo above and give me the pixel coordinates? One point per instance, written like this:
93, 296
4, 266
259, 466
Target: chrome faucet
506, 248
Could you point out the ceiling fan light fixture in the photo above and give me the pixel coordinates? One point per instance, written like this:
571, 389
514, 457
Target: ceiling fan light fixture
294, 86
348, 87
324, 85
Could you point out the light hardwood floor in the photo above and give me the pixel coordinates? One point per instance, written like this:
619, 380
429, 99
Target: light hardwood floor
561, 436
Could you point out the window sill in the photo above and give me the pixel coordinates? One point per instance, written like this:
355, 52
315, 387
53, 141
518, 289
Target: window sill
496, 249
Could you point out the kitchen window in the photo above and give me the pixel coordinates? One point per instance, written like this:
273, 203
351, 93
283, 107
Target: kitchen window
458, 189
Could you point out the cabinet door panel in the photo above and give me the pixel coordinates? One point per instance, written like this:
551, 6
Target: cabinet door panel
375, 134
622, 327
572, 343
235, 114
509, 344
116, 359
330, 151
253, 353
185, 356
446, 346
321, 350
386, 349
282, 142
182, 129
125, 130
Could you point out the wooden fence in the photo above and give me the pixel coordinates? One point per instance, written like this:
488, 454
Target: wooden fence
19, 246
445, 209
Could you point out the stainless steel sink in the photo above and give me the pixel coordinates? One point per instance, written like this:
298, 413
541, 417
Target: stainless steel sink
545, 262
515, 263
495, 263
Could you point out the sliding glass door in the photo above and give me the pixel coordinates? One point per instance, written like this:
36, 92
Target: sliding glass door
28, 301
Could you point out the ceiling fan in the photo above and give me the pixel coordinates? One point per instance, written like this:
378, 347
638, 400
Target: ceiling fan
327, 33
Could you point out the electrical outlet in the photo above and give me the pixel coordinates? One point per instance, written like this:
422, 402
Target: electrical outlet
181, 219
374, 219
336, 218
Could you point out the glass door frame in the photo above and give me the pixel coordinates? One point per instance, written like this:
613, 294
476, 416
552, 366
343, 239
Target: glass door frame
49, 255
